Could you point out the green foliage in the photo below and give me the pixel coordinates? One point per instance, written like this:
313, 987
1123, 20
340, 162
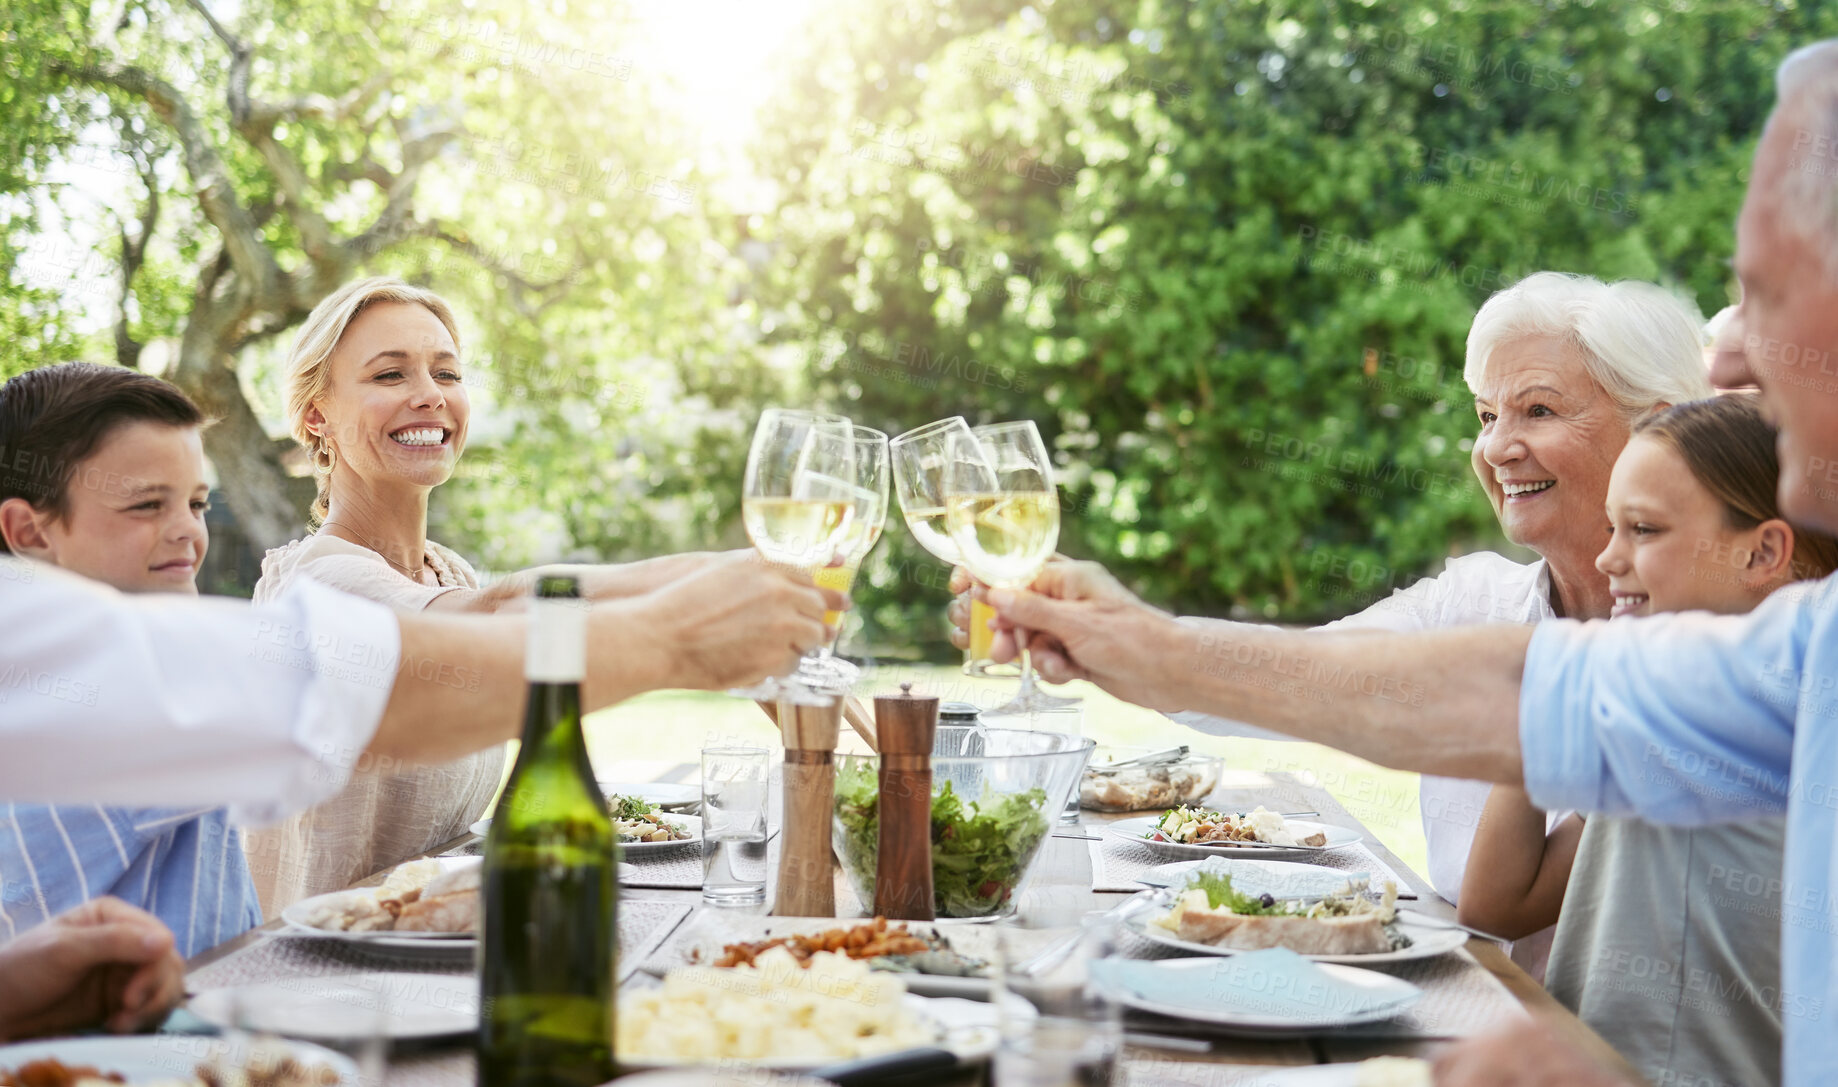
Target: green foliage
1227, 252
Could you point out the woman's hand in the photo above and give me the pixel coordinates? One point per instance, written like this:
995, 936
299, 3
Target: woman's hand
104, 964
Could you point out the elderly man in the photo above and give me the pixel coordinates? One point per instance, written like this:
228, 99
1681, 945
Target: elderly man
1686, 719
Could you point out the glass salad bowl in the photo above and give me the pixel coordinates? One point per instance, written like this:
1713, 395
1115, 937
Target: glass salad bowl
995, 795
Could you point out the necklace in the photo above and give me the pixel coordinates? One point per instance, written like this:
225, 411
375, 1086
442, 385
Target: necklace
405, 571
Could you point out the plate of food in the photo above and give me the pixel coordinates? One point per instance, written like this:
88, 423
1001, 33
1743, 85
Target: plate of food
781, 1014
924, 957
1209, 916
666, 795
1262, 992
174, 1060
1197, 832
422, 905
400, 1006
640, 826
1282, 879
1147, 779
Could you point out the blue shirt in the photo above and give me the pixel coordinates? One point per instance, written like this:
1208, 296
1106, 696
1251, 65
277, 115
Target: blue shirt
184, 866
1693, 719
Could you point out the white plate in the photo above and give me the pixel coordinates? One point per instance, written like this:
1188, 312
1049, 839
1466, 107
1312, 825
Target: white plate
1282, 879
967, 1028
1426, 942
692, 822
415, 1007
161, 1056
296, 914
667, 796
1371, 981
1132, 830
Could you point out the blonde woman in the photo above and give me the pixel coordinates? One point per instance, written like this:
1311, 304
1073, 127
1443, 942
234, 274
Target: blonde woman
376, 394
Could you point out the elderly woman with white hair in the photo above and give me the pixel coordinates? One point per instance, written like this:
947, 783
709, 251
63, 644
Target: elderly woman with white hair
375, 394
1561, 367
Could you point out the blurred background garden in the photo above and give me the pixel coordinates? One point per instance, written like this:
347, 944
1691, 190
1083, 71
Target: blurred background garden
1224, 252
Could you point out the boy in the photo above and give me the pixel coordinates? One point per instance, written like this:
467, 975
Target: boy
102, 473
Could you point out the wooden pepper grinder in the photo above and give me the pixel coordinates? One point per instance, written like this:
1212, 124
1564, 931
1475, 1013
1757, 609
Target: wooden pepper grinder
807, 885
903, 872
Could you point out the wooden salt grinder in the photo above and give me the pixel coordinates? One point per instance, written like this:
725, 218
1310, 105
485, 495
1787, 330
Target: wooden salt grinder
807, 886
903, 873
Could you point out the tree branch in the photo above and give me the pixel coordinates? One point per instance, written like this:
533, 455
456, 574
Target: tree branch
230, 40
216, 195
133, 255
396, 220
319, 107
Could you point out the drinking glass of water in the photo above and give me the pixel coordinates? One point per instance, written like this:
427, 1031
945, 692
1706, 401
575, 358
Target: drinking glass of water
734, 789
1060, 1027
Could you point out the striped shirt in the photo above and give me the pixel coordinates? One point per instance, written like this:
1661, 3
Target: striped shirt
183, 865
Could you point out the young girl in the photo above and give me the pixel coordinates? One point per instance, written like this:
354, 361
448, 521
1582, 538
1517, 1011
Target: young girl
1668, 941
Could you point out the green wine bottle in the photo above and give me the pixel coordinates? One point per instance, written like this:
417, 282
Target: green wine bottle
546, 975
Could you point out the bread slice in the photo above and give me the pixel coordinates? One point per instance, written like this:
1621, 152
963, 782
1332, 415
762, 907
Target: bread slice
449, 903
1357, 935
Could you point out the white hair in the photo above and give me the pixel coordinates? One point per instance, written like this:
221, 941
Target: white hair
1807, 84
1640, 342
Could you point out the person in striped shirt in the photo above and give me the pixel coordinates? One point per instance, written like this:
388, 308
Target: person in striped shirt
104, 476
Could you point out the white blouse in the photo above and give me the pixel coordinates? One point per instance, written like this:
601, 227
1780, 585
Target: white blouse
160, 699
1480, 588
388, 813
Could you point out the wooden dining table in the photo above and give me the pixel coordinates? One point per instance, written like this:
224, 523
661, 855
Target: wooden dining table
1164, 1051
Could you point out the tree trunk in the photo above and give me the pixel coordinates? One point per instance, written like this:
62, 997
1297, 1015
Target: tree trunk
270, 506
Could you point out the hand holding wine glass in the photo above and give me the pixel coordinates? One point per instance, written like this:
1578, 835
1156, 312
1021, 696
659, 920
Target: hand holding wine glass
798, 504
921, 458
1002, 511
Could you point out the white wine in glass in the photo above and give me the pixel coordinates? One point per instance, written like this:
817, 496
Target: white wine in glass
798, 502
1002, 510
928, 526
1005, 537
800, 532
920, 458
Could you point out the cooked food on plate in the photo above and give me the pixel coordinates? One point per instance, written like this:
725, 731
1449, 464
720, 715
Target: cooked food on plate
1161, 784
1197, 826
1210, 911
830, 1007
637, 820
420, 896
262, 1069
883, 946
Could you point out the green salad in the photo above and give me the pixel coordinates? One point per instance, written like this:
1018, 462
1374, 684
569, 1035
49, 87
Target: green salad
1221, 895
979, 848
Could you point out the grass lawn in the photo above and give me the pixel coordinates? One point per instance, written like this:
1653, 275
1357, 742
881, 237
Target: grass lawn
651, 736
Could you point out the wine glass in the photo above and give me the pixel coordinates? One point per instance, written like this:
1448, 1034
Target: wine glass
1002, 511
920, 457
798, 502
870, 498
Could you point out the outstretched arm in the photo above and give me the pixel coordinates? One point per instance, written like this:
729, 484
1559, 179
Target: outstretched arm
610, 581
1443, 702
